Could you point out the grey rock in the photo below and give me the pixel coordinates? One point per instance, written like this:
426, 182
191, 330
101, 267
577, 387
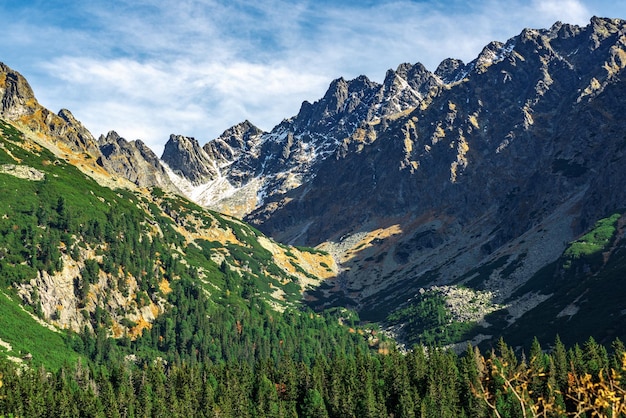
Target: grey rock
519, 156
134, 161
185, 157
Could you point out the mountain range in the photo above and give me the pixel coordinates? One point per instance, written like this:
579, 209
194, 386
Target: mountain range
491, 190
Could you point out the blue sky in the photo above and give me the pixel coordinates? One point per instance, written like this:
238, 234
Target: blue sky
149, 68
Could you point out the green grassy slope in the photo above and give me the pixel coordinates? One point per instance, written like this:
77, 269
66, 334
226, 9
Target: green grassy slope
219, 289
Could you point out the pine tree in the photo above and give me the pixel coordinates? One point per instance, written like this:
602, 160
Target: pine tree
471, 373
313, 405
561, 367
538, 365
618, 349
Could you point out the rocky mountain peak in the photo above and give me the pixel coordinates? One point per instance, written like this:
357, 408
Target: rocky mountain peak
235, 141
134, 161
186, 158
242, 136
344, 96
451, 70
78, 136
242, 131
18, 104
492, 53
111, 137
402, 70
403, 89
111, 143
16, 96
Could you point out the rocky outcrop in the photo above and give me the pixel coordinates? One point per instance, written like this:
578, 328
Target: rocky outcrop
77, 136
22, 172
134, 161
19, 105
185, 157
54, 295
16, 95
236, 152
234, 143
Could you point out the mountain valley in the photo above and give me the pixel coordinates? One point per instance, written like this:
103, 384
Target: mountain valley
494, 166
479, 203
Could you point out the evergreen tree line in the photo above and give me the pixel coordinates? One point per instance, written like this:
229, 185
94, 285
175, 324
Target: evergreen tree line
422, 383
199, 328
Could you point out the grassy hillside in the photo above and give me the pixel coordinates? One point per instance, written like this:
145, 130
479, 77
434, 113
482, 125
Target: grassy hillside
163, 276
22, 335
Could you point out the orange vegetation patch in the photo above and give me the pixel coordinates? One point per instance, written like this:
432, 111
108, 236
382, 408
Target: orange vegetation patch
117, 330
318, 264
31, 146
164, 287
223, 236
383, 350
137, 330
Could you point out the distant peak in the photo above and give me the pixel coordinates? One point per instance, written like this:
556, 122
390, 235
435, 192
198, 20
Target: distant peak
67, 115
16, 96
185, 156
111, 137
183, 139
242, 128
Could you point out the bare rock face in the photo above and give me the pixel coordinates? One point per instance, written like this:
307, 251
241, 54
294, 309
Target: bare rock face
402, 90
234, 142
134, 161
18, 104
522, 151
500, 131
244, 166
185, 157
76, 134
239, 145
254, 165
17, 98
56, 297
451, 70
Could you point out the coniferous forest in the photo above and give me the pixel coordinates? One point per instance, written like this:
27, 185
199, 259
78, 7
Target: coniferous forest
425, 382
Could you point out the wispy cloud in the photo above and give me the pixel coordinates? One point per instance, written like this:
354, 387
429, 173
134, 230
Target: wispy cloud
149, 68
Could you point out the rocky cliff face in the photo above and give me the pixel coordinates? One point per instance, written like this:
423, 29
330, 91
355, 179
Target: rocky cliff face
133, 160
519, 153
185, 157
18, 104
234, 144
17, 96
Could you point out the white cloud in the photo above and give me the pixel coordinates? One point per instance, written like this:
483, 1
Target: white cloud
570, 11
177, 97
